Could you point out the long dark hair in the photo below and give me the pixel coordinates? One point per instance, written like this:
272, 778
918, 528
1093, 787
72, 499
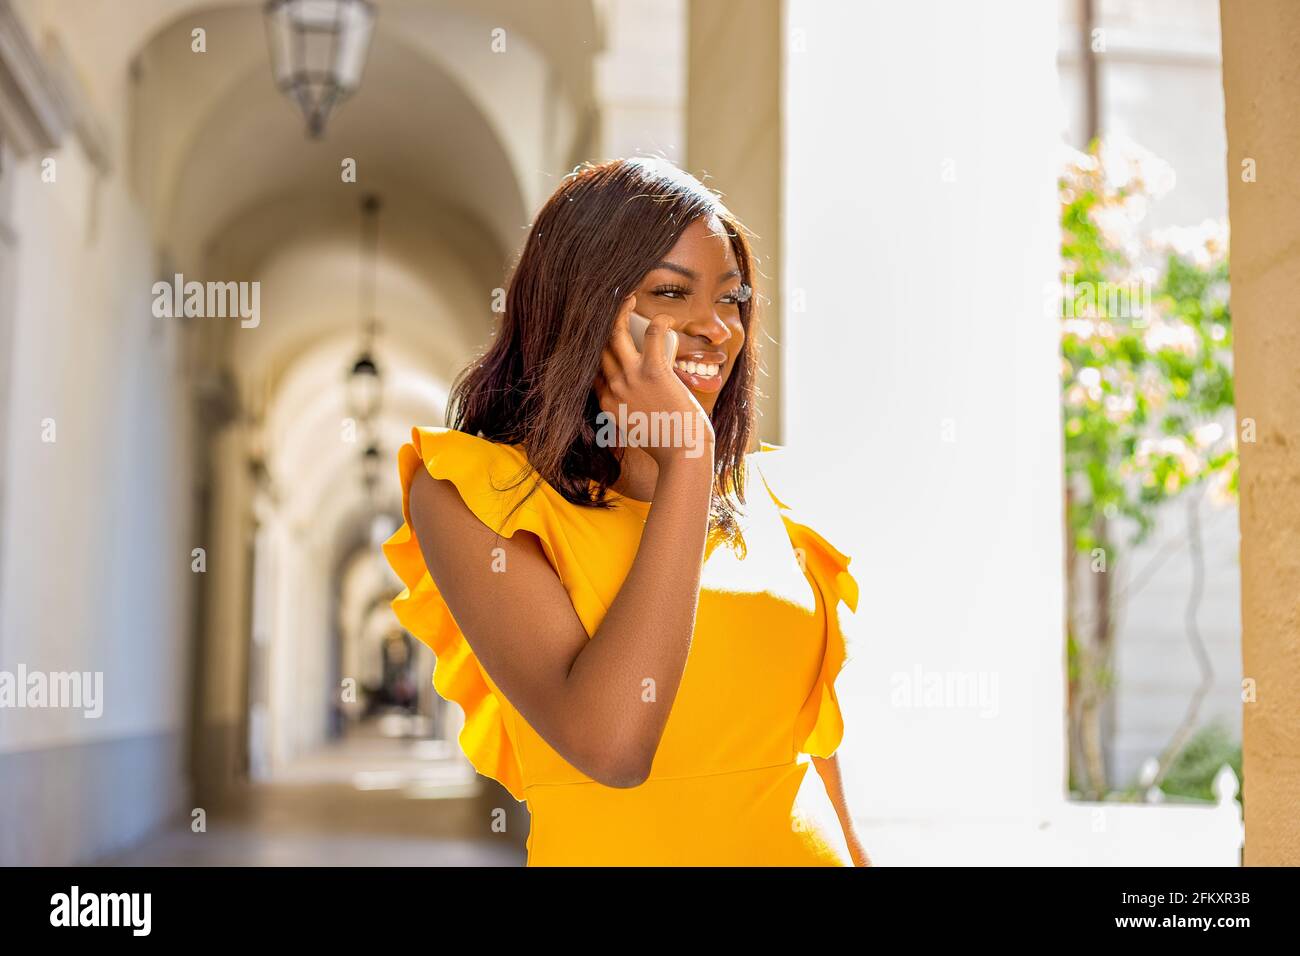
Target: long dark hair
593, 242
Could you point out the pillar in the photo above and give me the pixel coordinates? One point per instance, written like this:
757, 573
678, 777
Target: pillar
1261, 74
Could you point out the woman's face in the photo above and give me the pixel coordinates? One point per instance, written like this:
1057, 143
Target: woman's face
698, 284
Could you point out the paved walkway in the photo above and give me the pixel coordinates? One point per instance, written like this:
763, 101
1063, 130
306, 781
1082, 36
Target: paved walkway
371, 800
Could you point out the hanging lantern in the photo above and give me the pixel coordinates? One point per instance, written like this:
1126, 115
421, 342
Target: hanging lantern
365, 384
318, 50
365, 388
370, 465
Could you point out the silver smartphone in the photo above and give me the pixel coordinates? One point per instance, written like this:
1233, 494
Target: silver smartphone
637, 324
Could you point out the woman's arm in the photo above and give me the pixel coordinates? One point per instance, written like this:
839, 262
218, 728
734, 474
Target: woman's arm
603, 702
829, 769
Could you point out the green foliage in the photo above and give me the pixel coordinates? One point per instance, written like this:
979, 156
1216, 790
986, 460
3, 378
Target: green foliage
1192, 775
1147, 395
1146, 343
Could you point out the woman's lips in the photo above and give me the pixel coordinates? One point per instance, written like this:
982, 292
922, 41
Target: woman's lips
702, 371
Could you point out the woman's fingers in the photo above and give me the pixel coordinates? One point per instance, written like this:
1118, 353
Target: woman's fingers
609, 367
620, 337
661, 343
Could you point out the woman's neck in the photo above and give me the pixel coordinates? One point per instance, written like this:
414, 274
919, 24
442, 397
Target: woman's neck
639, 476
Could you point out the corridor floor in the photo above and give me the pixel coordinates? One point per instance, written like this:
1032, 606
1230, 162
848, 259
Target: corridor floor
369, 800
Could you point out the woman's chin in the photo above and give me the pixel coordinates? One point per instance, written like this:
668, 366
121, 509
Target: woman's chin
707, 401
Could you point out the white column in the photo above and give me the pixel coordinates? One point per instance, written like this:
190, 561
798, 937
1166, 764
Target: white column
920, 237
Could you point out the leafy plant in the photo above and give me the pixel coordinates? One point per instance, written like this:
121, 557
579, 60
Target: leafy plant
1146, 346
1192, 773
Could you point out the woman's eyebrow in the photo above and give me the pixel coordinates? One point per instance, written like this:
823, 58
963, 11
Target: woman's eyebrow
693, 275
680, 270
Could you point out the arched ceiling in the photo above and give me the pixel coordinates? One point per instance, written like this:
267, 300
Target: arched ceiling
457, 139
214, 139
314, 467
537, 93
433, 288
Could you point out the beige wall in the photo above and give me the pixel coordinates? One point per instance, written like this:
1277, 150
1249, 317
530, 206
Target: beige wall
97, 524
1261, 76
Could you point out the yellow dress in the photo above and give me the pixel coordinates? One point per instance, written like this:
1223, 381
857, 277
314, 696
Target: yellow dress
757, 691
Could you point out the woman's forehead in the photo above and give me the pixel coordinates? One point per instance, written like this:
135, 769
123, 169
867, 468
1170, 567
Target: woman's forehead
708, 235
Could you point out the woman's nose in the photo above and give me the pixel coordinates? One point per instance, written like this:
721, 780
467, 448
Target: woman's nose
707, 325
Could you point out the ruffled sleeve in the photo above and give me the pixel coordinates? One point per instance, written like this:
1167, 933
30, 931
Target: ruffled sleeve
480, 470
819, 727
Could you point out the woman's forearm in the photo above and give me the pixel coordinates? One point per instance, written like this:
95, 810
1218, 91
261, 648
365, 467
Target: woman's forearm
642, 644
828, 768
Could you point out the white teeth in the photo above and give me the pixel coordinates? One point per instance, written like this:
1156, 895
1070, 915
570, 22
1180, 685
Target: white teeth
702, 369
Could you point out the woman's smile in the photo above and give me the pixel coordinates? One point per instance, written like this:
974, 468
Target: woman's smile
701, 371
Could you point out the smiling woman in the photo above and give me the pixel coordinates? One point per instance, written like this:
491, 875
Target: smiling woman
643, 635
638, 226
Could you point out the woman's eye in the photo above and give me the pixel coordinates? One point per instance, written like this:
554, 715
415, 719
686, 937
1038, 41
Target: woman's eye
736, 296
671, 292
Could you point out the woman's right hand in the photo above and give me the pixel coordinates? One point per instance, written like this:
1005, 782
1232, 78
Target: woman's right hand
634, 386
